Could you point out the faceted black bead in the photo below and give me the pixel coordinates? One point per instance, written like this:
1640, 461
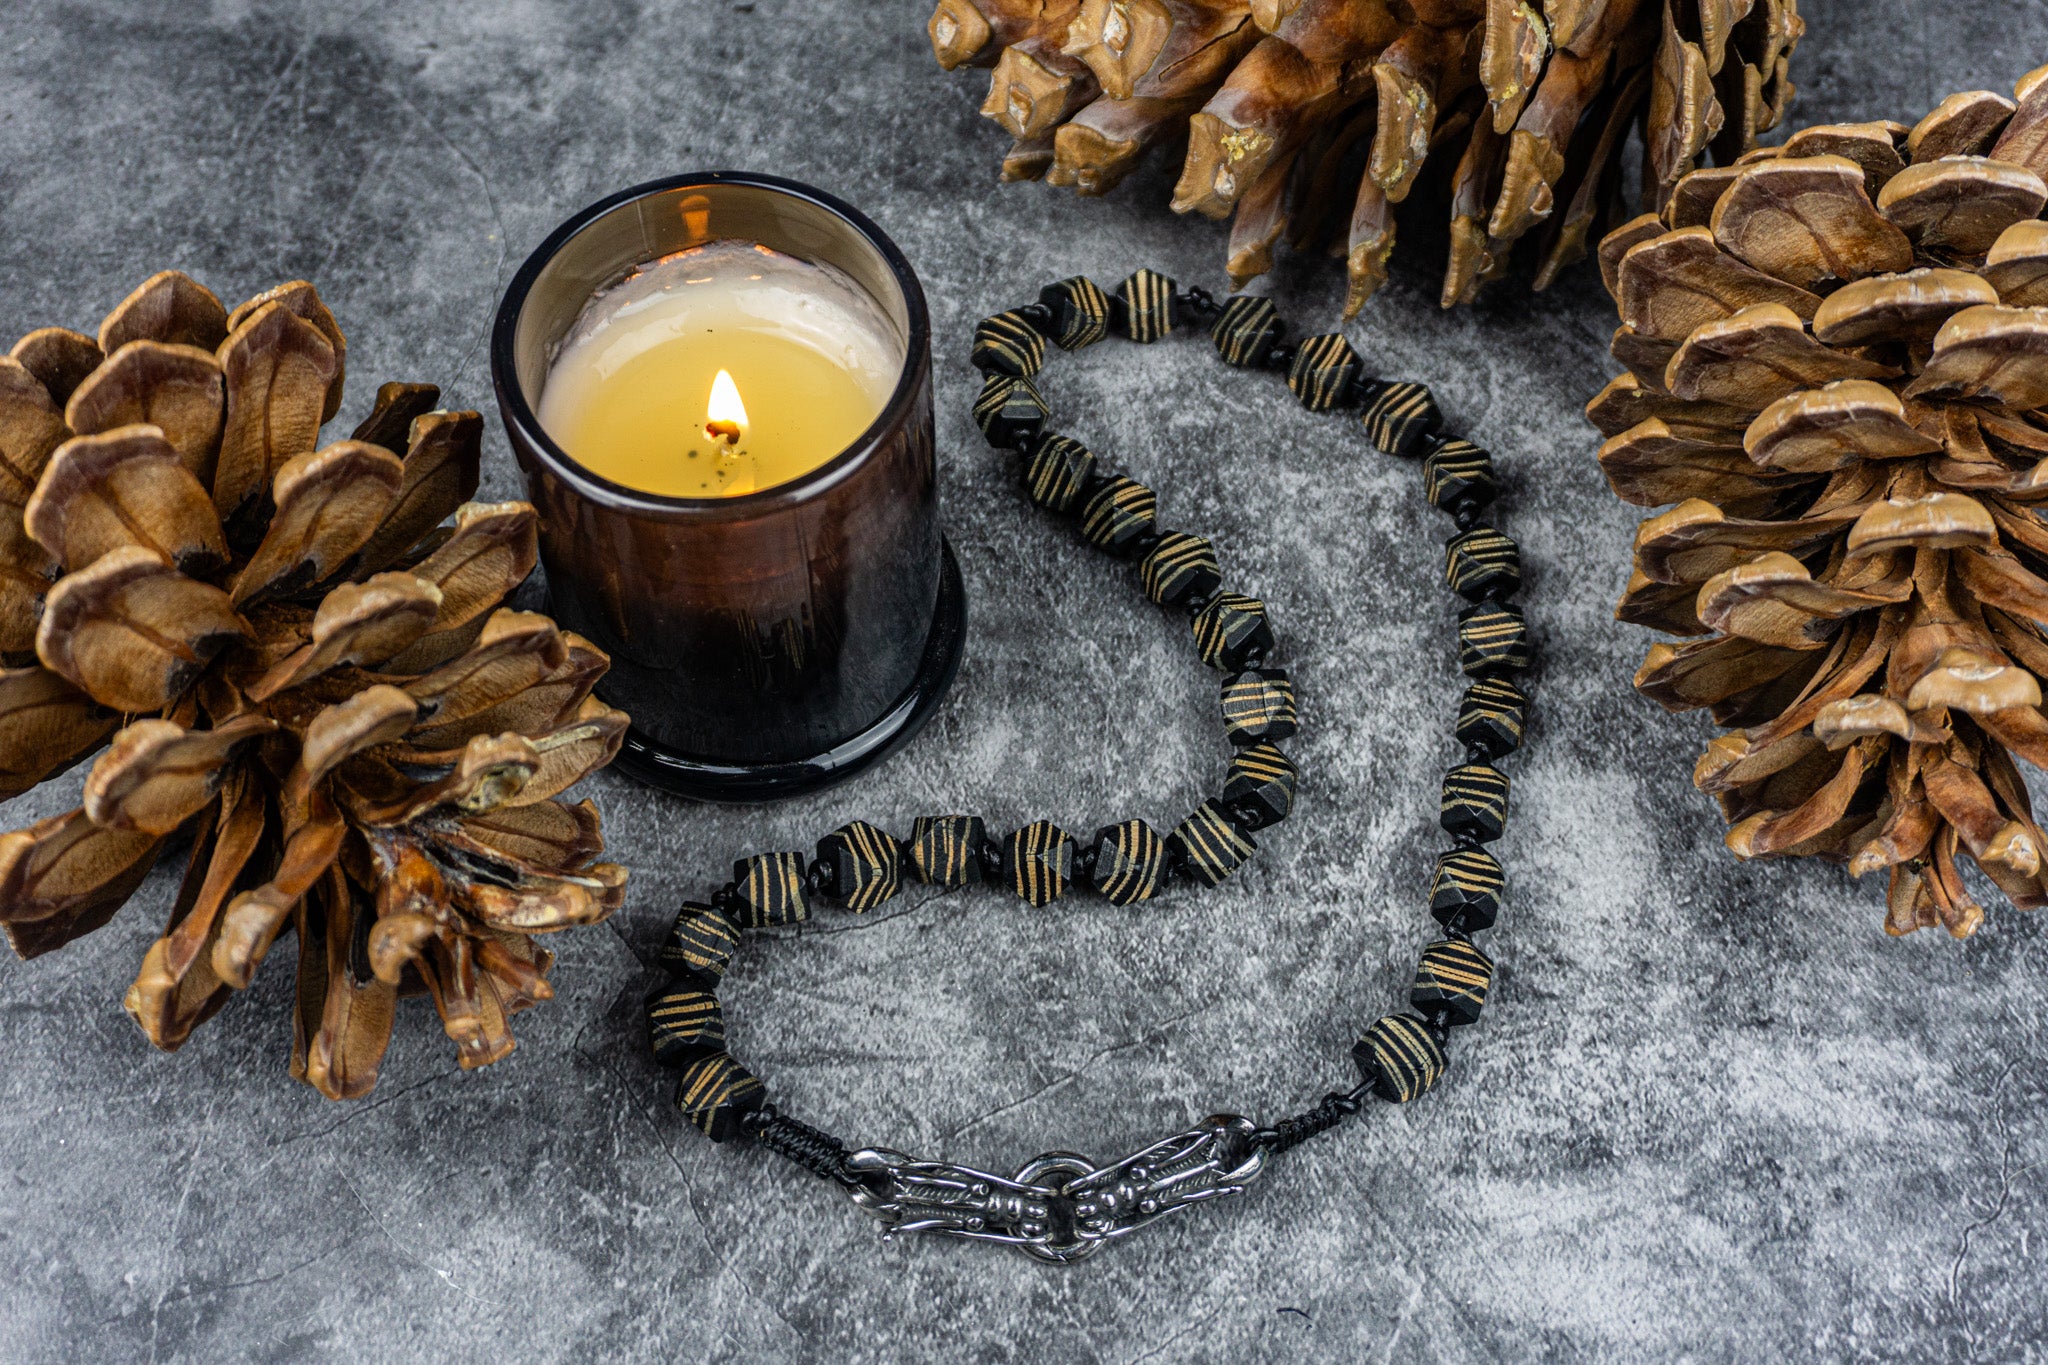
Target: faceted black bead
1400, 1056
863, 866
700, 943
1208, 847
946, 849
1080, 312
1247, 330
769, 890
1459, 472
1258, 704
1452, 979
1118, 513
1009, 411
1465, 893
1040, 861
1323, 372
1490, 717
1148, 311
1493, 638
1007, 344
1475, 802
1130, 862
1482, 563
713, 1092
1399, 416
1232, 631
684, 1023
1178, 568
1259, 788
1056, 470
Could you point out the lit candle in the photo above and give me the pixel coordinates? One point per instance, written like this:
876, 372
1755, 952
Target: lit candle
722, 369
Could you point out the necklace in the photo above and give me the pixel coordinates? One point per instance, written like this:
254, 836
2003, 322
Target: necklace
1060, 1206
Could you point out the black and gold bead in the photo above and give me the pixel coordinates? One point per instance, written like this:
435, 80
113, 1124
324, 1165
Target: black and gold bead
1056, 471
1009, 411
1490, 717
1007, 344
1039, 859
1148, 311
713, 1092
1400, 1056
1080, 312
1458, 473
1232, 631
1247, 330
1452, 979
1399, 416
1466, 890
1179, 568
859, 866
700, 943
1129, 862
945, 850
1475, 802
1323, 372
1208, 847
684, 1023
768, 890
1482, 563
1493, 638
1259, 788
1258, 704
1119, 513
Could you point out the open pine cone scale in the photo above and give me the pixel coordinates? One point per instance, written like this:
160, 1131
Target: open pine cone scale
1838, 364
292, 662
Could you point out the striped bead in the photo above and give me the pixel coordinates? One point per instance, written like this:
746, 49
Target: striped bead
769, 890
1475, 802
946, 849
1247, 330
1323, 371
1148, 311
1130, 862
862, 866
1118, 513
1400, 1057
684, 1023
1208, 847
1007, 344
1466, 891
1459, 473
1482, 563
1258, 704
1490, 717
1056, 471
1009, 411
1232, 631
1452, 979
713, 1092
700, 943
1080, 312
1259, 788
1040, 861
1399, 416
1493, 637
1178, 568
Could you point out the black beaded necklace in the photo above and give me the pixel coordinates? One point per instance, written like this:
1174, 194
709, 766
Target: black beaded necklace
1061, 1207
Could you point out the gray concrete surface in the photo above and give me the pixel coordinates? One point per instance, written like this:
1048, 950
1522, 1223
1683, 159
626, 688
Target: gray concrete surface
1715, 1113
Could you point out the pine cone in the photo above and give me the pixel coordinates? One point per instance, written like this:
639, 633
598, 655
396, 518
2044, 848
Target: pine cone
1838, 356
302, 672
1312, 114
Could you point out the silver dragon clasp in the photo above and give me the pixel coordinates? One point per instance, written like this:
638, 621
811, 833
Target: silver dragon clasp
1059, 1207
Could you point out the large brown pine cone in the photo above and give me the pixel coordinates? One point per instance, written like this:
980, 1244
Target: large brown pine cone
302, 671
1318, 115
1838, 356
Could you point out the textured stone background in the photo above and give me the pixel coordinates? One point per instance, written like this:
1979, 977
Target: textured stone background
1715, 1113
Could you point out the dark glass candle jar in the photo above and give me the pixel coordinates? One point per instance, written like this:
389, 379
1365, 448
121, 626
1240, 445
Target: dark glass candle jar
774, 642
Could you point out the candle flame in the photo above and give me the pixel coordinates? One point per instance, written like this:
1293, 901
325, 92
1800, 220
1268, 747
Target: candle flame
725, 416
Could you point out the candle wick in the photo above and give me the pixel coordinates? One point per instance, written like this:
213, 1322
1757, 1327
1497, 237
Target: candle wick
728, 432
